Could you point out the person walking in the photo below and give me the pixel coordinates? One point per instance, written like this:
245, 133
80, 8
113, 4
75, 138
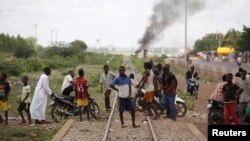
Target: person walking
39, 100
26, 100
4, 94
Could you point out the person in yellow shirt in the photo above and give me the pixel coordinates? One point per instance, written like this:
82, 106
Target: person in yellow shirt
4, 93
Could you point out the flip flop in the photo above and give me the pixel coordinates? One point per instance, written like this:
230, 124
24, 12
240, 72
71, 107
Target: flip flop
136, 125
124, 126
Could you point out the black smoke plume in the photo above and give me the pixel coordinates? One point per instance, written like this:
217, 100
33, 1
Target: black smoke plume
165, 13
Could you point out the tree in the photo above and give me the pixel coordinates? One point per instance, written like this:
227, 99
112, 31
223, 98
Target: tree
23, 52
232, 38
207, 43
244, 42
78, 44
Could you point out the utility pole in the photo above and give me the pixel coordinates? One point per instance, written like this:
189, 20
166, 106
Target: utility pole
56, 36
35, 27
185, 24
51, 39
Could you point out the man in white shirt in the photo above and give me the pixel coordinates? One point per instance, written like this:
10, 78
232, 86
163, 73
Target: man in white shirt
39, 101
68, 80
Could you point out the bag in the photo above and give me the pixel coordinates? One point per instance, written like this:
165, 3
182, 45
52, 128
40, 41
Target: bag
2, 96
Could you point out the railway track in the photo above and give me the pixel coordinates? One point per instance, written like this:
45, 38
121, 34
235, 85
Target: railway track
113, 129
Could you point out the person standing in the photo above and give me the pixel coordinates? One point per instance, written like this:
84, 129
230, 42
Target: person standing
67, 81
106, 78
217, 93
26, 100
80, 87
244, 98
230, 93
239, 60
133, 86
149, 81
122, 84
169, 86
39, 100
4, 94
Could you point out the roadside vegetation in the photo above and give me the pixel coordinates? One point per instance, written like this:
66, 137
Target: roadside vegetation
20, 56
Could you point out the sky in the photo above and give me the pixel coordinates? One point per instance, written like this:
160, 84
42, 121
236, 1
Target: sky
119, 23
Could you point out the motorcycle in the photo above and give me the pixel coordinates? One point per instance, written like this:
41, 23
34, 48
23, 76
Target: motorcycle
216, 112
140, 104
64, 106
193, 86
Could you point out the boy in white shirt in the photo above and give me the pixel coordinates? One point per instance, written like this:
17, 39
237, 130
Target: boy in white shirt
26, 100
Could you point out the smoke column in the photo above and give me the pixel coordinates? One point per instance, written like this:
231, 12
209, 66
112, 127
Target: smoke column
165, 13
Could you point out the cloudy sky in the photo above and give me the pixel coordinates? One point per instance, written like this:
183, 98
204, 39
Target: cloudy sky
114, 22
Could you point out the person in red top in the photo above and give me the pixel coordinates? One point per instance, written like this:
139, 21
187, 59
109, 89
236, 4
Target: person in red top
80, 87
169, 85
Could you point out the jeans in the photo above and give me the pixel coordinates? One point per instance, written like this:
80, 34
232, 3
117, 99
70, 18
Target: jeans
168, 100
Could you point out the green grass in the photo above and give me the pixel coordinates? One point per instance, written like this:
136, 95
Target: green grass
29, 133
18, 133
189, 100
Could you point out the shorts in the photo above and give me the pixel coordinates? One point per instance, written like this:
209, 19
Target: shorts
149, 97
24, 106
4, 105
82, 102
125, 104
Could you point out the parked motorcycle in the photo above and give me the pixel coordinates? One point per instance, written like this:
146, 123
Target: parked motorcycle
193, 86
216, 112
64, 106
140, 104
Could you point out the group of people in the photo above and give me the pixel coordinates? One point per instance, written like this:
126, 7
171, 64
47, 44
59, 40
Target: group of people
24, 103
234, 92
36, 107
157, 80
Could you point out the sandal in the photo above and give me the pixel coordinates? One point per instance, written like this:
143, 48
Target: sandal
156, 117
136, 125
124, 126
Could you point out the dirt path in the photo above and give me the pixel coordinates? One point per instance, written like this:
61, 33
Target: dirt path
198, 116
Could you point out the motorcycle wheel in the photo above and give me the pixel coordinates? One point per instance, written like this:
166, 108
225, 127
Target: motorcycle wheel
212, 117
181, 109
138, 102
94, 109
57, 112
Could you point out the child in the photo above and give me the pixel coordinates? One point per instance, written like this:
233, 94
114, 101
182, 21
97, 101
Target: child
26, 100
80, 86
4, 93
123, 83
